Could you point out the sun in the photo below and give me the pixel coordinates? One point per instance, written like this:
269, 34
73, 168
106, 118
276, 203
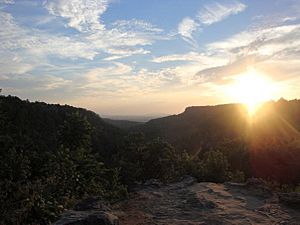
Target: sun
252, 88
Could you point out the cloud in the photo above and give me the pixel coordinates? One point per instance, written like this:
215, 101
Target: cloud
124, 34
30, 83
97, 74
16, 38
216, 12
269, 50
118, 53
115, 80
220, 74
23, 49
266, 41
136, 25
186, 28
83, 15
201, 58
49, 82
123, 81
7, 2
77, 59
211, 13
124, 39
12, 63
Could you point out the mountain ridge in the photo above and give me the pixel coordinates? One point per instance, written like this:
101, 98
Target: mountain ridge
225, 121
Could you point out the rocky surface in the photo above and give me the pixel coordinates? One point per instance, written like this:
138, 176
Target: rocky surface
290, 199
91, 211
191, 203
87, 218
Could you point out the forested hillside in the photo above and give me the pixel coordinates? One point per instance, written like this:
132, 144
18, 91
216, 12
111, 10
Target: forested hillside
203, 127
52, 156
199, 126
123, 124
266, 144
41, 123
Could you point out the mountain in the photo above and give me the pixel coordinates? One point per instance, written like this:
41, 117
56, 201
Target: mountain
41, 122
122, 124
138, 118
52, 156
204, 127
197, 126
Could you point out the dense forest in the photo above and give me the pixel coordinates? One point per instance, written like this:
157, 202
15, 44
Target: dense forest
204, 127
51, 156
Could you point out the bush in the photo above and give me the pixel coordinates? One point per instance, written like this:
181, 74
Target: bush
214, 167
237, 176
36, 185
140, 160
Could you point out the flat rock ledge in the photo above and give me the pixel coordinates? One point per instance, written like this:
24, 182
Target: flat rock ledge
90, 211
87, 218
190, 203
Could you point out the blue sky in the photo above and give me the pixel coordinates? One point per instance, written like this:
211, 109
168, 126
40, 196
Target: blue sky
124, 57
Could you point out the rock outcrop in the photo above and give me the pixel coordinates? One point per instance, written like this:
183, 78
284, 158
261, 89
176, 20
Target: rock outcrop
191, 203
290, 199
91, 211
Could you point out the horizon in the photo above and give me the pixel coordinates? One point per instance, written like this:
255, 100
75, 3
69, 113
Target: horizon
127, 58
148, 116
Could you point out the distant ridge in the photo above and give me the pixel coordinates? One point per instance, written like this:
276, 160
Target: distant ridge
122, 124
203, 127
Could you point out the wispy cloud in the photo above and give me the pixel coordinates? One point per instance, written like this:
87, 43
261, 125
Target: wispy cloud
30, 83
186, 28
12, 63
126, 35
209, 14
83, 15
17, 38
265, 41
118, 53
97, 74
124, 38
7, 1
74, 55
123, 80
216, 12
203, 59
23, 49
265, 49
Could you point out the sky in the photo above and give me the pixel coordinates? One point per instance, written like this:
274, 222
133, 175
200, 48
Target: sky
133, 57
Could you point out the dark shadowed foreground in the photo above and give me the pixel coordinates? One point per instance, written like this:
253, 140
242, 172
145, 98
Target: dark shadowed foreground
191, 203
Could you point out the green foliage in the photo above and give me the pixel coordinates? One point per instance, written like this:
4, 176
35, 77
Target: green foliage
75, 132
237, 176
214, 167
237, 153
38, 183
140, 160
52, 156
159, 161
15, 185
277, 159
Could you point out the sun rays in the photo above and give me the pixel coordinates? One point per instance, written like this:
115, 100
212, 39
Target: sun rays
251, 88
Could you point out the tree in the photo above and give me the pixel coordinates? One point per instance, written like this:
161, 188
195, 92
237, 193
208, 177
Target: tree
75, 132
214, 167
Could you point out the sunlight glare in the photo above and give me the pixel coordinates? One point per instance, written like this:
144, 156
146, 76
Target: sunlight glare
252, 88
